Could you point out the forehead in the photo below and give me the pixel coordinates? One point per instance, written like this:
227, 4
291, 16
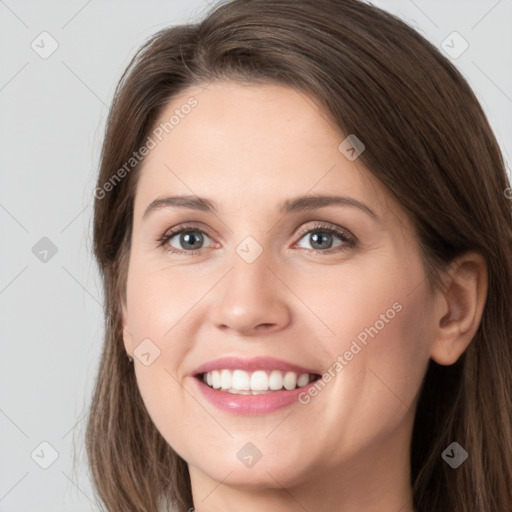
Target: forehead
250, 145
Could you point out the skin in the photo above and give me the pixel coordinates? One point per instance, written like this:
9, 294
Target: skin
247, 148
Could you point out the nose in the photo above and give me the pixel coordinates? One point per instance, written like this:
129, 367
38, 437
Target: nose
251, 299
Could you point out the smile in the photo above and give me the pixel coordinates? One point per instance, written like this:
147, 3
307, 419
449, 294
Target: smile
255, 383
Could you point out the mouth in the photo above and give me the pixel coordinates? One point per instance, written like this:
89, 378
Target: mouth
259, 382
259, 385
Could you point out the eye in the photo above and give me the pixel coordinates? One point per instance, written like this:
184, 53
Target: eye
321, 238
190, 238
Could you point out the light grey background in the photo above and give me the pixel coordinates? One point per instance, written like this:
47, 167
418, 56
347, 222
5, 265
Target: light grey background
52, 115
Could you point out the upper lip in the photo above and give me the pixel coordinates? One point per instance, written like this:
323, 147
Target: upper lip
252, 364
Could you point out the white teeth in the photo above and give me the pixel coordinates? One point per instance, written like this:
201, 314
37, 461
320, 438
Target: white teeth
290, 380
303, 379
259, 381
275, 380
225, 379
240, 380
215, 379
255, 383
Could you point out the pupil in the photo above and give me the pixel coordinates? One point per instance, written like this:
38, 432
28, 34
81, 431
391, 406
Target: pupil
187, 238
315, 238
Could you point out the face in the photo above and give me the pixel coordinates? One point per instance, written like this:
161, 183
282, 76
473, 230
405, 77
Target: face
333, 289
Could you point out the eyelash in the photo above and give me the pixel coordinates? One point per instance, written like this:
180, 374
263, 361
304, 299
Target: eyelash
349, 240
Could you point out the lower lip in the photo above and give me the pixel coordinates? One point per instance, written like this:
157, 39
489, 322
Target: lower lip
251, 404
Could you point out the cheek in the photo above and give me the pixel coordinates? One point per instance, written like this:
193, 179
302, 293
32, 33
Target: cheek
382, 333
392, 339
160, 302
157, 316
366, 298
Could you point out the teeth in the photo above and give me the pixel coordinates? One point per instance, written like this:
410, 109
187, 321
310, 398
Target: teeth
259, 381
255, 383
303, 379
240, 381
225, 379
290, 380
215, 379
275, 380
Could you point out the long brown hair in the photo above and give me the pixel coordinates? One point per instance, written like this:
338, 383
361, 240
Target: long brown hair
427, 140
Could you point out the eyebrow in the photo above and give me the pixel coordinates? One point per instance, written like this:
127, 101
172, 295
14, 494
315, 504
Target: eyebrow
297, 204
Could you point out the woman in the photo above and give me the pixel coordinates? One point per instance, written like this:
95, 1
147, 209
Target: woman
338, 335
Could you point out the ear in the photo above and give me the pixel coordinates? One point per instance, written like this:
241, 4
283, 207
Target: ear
460, 307
127, 337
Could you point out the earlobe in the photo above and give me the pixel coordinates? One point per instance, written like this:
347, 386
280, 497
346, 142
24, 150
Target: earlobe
463, 297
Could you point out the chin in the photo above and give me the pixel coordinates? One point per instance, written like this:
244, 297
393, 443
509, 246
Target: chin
261, 476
